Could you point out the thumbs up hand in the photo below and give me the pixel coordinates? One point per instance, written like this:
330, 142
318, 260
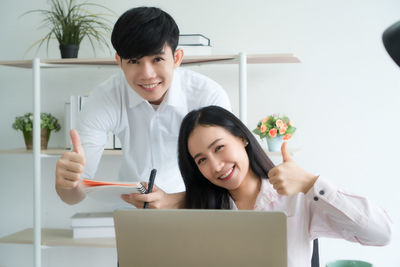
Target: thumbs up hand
288, 178
71, 165
76, 142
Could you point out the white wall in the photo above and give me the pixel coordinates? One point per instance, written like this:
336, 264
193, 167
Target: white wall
342, 98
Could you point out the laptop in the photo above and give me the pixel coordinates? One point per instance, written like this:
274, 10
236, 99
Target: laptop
147, 237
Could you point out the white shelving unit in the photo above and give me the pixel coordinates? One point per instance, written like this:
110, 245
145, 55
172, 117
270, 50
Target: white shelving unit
53, 237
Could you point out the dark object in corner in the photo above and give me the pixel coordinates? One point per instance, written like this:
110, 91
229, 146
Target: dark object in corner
391, 41
315, 254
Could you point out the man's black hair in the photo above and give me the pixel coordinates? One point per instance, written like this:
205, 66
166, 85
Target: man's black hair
143, 31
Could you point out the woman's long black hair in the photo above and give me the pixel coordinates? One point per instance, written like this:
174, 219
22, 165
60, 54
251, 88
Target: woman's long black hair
201, 193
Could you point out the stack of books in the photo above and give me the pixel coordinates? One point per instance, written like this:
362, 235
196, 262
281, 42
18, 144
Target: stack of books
195, 44
93, 225
71, 111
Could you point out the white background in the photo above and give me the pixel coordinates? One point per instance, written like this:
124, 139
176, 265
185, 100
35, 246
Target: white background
343, 99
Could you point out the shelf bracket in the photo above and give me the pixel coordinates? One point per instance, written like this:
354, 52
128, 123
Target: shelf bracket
243, 87
36, 164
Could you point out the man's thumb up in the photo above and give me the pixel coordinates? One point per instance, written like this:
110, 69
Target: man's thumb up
76, 142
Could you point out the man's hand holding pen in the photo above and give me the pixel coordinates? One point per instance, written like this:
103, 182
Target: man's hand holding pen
156, 199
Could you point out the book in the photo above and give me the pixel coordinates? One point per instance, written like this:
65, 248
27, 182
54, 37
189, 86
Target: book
76, 104
193, 39
196, 50
92, 219
67, 124
72, 110
110, 192
92, 224
117, 143
110, 141
93, 232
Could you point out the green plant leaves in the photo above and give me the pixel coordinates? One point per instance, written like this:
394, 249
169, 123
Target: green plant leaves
70, 22
282, 124
25, 123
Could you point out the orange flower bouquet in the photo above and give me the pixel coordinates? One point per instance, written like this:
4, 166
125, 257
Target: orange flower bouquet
275, 126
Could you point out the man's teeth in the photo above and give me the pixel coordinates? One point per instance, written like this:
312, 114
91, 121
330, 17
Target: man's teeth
149, 86
226, 174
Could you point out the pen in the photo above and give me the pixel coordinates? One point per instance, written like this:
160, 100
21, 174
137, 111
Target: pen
150, 185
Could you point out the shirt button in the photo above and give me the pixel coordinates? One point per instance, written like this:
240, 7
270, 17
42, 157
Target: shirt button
316, 198
321, 192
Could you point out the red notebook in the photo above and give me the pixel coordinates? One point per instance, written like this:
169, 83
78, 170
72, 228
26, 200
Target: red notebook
90, 182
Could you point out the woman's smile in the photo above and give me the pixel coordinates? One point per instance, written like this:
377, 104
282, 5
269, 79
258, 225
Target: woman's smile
227, 175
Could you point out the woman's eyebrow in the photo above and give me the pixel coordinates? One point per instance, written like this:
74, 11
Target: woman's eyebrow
208, 147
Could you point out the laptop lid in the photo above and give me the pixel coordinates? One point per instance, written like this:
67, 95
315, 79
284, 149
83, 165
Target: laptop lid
200, 238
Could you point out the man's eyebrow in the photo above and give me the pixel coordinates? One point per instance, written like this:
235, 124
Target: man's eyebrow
150, 55
160, 53
208, 147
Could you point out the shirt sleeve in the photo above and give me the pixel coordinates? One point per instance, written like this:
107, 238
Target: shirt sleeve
338, 214
219, 98
212, 93
97, 118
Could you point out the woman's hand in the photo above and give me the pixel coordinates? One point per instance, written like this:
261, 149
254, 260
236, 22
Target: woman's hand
288, 178
157, 199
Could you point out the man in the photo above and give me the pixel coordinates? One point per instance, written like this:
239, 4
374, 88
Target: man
143, 105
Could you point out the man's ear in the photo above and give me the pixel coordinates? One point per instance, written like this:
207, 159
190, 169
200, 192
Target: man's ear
178, 56
118, 59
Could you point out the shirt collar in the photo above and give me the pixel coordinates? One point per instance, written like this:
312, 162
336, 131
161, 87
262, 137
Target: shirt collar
174, 97
266, 196
134, 98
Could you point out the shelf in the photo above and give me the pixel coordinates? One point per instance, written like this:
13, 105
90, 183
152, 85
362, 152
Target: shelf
53, 151
292, 152
60, 151
57, 237
189, 60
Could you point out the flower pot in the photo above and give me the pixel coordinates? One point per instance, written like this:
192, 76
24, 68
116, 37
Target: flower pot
44, 139
348, 263
69, 50
274, 144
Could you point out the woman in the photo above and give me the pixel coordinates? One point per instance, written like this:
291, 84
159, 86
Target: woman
224, 167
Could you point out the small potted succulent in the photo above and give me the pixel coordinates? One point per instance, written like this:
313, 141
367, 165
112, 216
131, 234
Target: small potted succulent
48, 123
275, 129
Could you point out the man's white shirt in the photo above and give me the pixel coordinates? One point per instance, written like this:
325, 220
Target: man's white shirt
148, 136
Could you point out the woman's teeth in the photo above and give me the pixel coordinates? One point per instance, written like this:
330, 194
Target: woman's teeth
226, 174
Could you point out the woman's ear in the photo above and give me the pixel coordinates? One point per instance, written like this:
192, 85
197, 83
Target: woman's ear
245, 142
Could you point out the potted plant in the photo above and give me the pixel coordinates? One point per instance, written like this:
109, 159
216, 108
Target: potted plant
48, 123
275, 129
70, 22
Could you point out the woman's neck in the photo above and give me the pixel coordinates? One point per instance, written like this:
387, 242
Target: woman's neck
245, 195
